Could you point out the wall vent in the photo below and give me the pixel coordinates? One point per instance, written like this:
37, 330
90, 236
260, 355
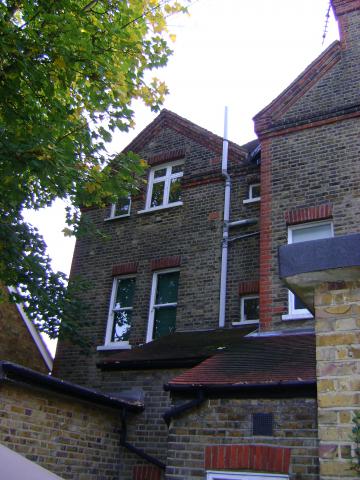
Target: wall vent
263, 424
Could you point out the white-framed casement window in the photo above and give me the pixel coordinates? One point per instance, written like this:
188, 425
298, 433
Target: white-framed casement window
253, 193
249, 309
164, 186
244, 476
305, 233
120, 313
163, 304
120, 209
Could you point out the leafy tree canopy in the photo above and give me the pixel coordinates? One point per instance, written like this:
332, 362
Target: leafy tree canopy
69, 70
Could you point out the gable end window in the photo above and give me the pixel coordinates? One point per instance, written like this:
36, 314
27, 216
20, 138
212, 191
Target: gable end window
163, 304
253, 193
120, 312
120, 209
305, 233
164, 186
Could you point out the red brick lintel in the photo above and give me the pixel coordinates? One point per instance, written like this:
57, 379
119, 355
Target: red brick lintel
166, 262
308, 214
261, 458
125, 268
146, 472
312, 124
251, 286
166, 156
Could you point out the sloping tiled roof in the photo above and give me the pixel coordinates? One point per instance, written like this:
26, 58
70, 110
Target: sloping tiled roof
177, 349
255, 361
189, 129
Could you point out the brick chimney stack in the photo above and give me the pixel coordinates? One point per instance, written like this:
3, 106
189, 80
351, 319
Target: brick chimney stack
347, 13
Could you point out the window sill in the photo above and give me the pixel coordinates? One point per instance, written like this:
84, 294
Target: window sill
252, 200
297, 316
114, 346
162, 207
245, 322
116, 218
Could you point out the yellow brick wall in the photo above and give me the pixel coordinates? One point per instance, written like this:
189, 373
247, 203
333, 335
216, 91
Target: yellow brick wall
73, 439
338, 371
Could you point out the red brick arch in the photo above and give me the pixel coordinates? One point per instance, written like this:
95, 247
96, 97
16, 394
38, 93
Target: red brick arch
264, 458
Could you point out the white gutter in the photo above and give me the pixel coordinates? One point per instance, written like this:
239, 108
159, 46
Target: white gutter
224, 254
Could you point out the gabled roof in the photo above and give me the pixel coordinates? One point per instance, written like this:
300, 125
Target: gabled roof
279, 360
180, 349
37, 338
268, 116
168, 119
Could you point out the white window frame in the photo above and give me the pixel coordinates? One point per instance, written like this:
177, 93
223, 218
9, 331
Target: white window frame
150, 329
167, 182
242, 312
109, 345
113, 210
226, 475
301, 313
251, 198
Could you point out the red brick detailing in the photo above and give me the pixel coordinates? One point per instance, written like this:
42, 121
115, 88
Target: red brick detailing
265, 237
166, 262
264, 120
125, 268
167, 156
214, 216
341, 7
310, 124
308, 214
261, 458
251, 286
146, 472
202, 181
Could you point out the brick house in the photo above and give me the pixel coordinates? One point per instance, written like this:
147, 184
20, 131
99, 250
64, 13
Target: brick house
263, 384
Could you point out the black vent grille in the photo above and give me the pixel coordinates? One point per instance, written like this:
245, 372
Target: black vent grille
263, 424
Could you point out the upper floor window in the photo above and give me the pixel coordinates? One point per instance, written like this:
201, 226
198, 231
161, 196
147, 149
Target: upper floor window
121, 208
163, 304
249, 309
253, 193
164, 189
304, 233
120, 312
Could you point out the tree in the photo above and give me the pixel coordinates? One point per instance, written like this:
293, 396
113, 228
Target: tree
69, 70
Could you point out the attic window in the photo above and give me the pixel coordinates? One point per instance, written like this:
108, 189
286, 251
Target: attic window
263, 424
253, 193
164, 186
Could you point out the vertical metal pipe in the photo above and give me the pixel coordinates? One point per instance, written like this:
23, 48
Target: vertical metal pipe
224, 252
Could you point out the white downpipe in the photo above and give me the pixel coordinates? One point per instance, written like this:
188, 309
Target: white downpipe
224, 253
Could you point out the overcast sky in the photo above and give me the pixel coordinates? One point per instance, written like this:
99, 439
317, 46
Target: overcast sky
238, 53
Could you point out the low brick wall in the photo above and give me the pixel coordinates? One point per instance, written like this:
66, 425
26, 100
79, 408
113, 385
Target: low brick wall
338, 372
70, 438
229, 422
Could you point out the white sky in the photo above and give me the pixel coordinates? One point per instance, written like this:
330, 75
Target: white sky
240, 53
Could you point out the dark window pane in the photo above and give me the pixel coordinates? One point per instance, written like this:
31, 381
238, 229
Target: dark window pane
255, 190
175, 190
298, 303
157, 197
122, 326
125, 293
251, 309
164, 321
161, 172
122, 207
167, 288
177, 168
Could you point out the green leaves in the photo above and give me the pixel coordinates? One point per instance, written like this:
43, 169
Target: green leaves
69, 70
